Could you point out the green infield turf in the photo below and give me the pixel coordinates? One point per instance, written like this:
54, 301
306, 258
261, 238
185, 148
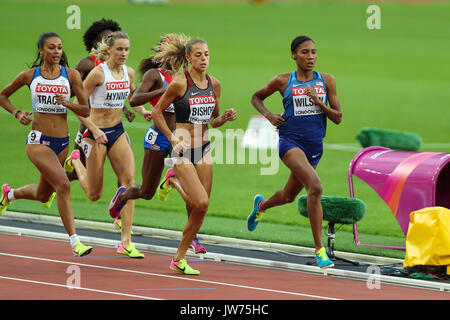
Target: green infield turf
391, 78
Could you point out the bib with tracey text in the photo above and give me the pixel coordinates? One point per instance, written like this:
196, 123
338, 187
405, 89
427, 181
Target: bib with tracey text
43, 92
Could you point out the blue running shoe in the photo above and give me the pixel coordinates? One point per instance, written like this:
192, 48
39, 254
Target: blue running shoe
255, 216
322, 259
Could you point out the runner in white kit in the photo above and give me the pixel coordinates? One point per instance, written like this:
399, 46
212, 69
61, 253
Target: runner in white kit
51, 83
108, 86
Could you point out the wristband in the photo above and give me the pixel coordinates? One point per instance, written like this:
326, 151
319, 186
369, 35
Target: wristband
15, 113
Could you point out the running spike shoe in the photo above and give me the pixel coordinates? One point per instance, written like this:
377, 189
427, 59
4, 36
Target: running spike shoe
4, 202
68, 163
80, 249
130, 250
48, 204
256, 215
118, 224
165, 188
116, 205
322, 259
183, 267
197, 247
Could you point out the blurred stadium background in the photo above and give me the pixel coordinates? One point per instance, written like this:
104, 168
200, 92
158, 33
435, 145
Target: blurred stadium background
393, 78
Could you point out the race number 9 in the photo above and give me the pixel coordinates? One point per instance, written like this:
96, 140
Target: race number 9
34, 137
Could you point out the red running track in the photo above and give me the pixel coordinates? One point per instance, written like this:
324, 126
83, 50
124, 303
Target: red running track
38, 269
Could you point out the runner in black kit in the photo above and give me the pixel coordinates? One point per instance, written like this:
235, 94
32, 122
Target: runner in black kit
157, 74
195, 96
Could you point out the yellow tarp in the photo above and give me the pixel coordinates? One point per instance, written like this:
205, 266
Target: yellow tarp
428, 238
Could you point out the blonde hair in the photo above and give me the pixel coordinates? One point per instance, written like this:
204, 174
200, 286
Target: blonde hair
101, 52
171, 51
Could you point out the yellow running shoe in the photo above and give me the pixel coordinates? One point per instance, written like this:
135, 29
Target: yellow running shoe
165, 188
4, 203
80, 249
48, 204
183, 267
118, 224
130, 250
68, 163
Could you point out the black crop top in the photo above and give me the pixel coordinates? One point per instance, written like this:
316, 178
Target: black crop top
197, 105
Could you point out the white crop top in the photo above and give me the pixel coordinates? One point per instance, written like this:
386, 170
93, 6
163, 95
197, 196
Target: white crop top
112, 93
43, 91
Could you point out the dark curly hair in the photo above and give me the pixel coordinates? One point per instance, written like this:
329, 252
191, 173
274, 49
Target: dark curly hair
96, 28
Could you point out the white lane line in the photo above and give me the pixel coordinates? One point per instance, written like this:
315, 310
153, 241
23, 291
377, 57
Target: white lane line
169, 276
78, 288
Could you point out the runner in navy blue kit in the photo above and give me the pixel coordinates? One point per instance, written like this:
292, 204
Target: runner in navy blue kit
156, 76
51, 84
301, 128
195, 96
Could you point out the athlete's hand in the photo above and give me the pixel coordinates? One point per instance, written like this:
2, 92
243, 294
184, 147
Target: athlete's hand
178, 145
128, 114
100, 136
275, 119
147, 115
311, 92
24, 117
60, 99
229, 115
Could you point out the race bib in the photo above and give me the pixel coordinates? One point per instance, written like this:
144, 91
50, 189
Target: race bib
303, 104
34, 137
86, 147
79, 138
202, 108
151, 135
45, 98
116, 94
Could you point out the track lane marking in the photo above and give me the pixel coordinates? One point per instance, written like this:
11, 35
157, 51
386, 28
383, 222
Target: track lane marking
169, 276
78, 288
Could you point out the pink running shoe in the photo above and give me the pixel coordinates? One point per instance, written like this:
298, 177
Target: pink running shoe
197, 247
68, 163
116, 205
4, 201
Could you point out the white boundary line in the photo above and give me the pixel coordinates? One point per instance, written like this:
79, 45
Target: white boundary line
78, 288
163, 276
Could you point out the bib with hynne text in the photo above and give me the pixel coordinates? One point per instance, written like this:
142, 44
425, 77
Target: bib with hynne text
112, 93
